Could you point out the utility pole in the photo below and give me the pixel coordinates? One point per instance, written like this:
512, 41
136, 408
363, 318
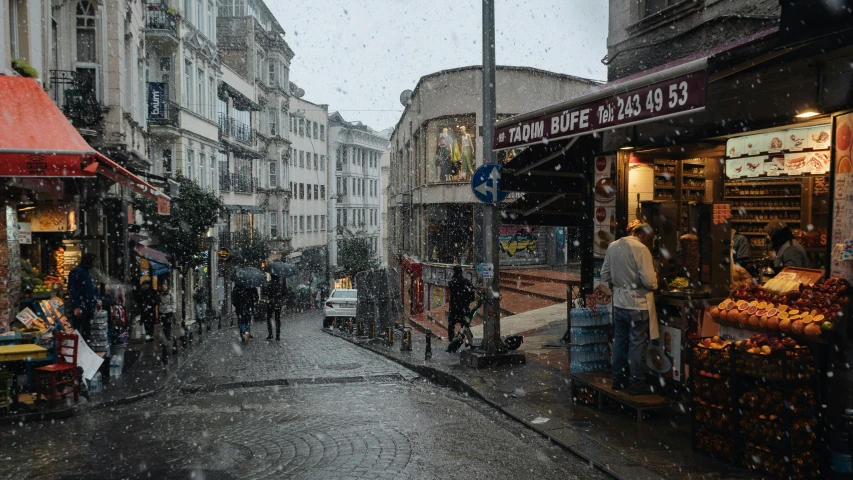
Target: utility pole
491, 254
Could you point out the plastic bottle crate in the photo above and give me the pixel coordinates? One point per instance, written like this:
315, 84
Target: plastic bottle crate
587, 335
587, 317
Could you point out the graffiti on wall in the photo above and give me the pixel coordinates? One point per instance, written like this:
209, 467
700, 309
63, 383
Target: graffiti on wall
515, 240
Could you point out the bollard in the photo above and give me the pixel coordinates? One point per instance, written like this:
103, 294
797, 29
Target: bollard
389, 336
334, 323
406, 344
428, 352
372, 330
351, 327
359, 329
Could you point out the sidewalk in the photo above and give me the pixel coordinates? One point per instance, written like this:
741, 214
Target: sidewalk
540, 396
143, 375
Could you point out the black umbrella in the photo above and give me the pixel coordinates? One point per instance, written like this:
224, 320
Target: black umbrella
281, 269
250, 277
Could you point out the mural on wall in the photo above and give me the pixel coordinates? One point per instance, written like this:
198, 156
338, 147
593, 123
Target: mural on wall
519, 241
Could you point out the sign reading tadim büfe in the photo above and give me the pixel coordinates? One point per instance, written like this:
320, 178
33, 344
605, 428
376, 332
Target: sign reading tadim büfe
671, 97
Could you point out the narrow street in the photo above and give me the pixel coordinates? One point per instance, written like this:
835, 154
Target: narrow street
328, 410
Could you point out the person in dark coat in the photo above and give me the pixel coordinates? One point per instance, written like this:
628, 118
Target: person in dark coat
82, 296
245, 300
789, 252
461, 296
148, 301
275, 293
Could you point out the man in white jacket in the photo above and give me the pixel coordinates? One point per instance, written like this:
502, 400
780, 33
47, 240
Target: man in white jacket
629, 268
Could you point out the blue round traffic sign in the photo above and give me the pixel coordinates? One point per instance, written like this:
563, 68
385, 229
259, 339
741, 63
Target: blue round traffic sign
486, 184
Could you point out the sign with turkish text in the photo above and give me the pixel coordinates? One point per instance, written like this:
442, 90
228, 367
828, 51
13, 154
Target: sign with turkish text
25, 234
156, 101
676, 96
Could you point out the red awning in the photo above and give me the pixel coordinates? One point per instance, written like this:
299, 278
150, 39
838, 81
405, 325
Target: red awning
36, 140
35, 137
115, 172
152, 255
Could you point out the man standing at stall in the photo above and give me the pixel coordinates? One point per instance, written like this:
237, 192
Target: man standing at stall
629, 267
82, 296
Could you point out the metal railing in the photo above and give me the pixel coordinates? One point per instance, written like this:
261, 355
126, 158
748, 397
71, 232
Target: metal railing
237, 183
236, 129
158, 17
77, 96
171, 115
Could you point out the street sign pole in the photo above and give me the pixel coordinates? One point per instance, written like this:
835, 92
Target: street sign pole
492, 310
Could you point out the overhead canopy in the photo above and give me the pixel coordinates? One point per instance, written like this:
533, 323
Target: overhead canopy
35, 137
36, 140
152, 255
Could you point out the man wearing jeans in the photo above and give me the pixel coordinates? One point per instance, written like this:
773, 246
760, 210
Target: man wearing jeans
629, 267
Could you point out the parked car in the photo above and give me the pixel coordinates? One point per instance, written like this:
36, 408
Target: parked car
340, 304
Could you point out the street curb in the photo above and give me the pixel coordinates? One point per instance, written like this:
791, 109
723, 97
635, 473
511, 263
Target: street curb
445, 379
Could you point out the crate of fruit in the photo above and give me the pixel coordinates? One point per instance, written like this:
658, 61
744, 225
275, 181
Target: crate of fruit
711, 387
710, 353
713, 444
802, 465
773, 359
715, 417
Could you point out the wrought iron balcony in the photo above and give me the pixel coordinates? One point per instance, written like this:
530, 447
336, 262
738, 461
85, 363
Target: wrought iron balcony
77, 96
236, 129
171, 116
237, 183
159, 18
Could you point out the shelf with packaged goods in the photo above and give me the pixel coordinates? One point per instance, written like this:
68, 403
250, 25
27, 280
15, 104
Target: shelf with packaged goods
691, 175
789, 220
762, 197
668, 187
765, 181
770, 209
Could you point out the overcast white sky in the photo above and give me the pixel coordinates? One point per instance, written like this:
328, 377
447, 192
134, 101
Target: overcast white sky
358, 55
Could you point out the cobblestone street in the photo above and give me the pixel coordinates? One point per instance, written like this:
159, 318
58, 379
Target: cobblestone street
327, 410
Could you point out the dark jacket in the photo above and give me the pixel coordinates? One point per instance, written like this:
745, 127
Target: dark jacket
81, 289
461, 294
148, 301
275, 292
244, 297
741, 250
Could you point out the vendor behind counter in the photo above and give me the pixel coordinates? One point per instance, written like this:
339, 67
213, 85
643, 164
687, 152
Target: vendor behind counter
789, 252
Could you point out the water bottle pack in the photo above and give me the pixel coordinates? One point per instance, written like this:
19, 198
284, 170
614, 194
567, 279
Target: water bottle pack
588, 317
578, 367
595, 352
586, 335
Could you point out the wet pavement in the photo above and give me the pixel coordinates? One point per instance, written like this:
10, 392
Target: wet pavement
311, 406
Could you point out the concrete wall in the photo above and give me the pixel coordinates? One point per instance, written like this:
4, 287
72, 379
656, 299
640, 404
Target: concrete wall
635, 43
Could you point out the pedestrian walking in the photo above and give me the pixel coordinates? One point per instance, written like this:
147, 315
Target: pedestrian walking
461, 295
275, 293
318, 300
245, 301
166, 312
148, 300
629, 267
82, 296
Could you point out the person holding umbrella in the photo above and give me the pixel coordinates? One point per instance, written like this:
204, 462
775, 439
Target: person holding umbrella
274, 293
244, 297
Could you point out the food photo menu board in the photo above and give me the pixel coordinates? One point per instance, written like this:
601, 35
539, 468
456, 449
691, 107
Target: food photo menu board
793, 152
604, 217
841, 265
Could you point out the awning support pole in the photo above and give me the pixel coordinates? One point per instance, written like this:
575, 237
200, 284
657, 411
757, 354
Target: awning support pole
544, 204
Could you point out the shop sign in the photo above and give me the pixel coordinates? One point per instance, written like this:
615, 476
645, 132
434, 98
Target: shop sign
156, 100
25, 234
223, 254
53, 218
676, 96
841, 264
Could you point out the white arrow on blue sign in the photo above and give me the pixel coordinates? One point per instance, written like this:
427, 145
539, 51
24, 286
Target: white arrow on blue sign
486, 184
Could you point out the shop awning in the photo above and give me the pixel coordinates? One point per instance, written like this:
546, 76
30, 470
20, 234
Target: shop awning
670, 90
36, 140
152, 255
115, 172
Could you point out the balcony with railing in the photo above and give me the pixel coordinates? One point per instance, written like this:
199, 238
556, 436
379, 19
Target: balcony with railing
168, 117
77, 96
161, 23
236, 129
236, 183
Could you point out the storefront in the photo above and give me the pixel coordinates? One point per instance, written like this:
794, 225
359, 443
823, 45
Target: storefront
62, 199
705, 150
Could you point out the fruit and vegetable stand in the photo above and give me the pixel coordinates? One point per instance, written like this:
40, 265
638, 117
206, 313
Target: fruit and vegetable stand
759, 389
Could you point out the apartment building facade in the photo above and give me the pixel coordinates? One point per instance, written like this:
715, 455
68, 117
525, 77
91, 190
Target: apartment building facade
354, 184
308, 175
